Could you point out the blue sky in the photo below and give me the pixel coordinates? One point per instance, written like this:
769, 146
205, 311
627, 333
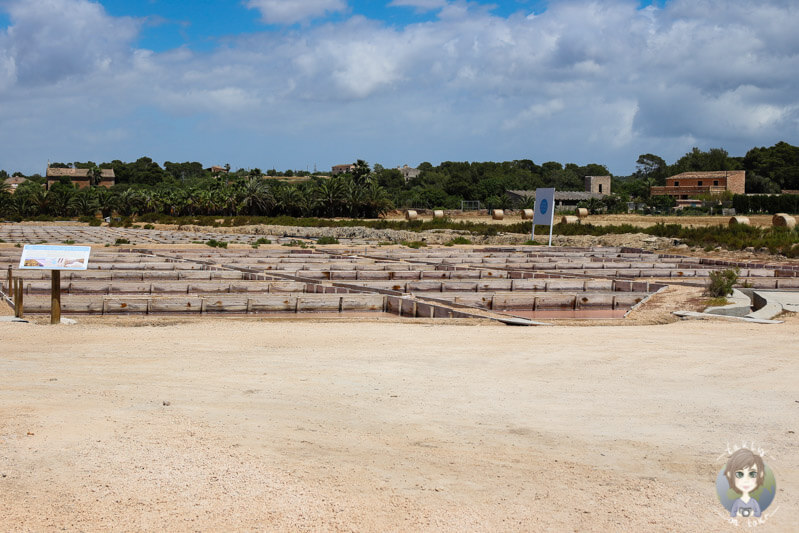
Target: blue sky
203, 24
298, 84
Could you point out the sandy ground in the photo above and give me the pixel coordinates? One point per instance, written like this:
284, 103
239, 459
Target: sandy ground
250, 425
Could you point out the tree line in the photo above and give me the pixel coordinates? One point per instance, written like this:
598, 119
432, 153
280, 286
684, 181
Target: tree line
145, 189
187, 189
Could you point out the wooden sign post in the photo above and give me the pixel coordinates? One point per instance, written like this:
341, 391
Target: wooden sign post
55, 297
19, 304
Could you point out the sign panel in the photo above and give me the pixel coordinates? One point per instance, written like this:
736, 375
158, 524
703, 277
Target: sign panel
46, 257
544, 207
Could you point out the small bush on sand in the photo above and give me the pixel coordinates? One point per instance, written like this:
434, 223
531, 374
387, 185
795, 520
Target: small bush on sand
213, 243
721, 282
458, 240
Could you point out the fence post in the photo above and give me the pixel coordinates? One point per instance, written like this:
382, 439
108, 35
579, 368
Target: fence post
20, 299
55, 297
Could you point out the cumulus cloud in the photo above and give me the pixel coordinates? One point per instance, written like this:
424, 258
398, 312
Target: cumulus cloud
583, 81
49, 40
421, 5
293, 11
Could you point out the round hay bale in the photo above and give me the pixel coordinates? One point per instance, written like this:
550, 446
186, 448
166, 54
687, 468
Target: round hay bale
497, 214
527, 214
411, 215
570, 219
438, 213
582, 212
744, 221
782, 220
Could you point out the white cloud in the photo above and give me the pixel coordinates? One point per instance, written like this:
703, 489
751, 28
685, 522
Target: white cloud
293, 11
420, 5
582, 81
54, 39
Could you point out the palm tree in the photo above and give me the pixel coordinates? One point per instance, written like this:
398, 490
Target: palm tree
84, 203
95, 176
59, 199
21, 206
376, 200
129, 202
352, 195
150, 201
254, 197
327, 194
40, 200
107, 201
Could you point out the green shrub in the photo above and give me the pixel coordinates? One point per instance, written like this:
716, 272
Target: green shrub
458, 240
95, 222
262, 240
721, 282
69, 241
414, 244
327, 240
149, 226
295, 242
213, 243
121, 241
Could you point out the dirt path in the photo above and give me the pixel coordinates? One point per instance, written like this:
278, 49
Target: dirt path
379, 426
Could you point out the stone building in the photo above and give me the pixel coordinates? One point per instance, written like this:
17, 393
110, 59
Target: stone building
80, 176
687, 186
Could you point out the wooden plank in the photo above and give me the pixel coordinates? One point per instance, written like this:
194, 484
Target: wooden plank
459, 286
226, 304
362, 302
310, 303
176, 305
80, 305
119, 305
272, 303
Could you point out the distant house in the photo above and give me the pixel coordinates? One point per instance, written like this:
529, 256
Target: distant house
14, 181
216, 170
685, 187
342, 169
80, 176
408, 173
596, 187
597, 184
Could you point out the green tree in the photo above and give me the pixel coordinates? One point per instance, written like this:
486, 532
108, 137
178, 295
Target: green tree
652, 166
778, 165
